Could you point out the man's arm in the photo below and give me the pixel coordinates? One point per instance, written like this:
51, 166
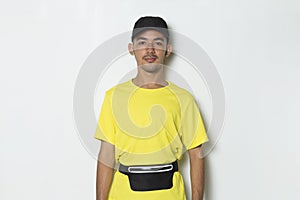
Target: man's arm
104, 170
196, 173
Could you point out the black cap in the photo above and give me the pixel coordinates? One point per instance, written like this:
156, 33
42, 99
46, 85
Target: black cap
150, 23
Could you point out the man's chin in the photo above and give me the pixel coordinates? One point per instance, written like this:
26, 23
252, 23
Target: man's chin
151, 67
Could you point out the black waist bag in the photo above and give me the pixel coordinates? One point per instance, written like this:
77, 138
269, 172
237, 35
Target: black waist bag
150, 177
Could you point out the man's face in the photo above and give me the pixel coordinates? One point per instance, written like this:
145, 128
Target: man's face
150, 49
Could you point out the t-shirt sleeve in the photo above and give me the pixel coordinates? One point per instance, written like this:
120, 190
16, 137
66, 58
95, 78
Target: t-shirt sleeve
106, 128
192, 129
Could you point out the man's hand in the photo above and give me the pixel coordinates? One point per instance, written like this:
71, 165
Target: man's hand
196, 173
104, 170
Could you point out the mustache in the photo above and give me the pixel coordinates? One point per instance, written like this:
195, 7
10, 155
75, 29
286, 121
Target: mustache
150, 56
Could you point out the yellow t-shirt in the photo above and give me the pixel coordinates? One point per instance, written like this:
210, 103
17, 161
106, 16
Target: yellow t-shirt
150, 126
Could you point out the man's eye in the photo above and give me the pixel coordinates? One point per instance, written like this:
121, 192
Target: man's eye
141, 43
159, 43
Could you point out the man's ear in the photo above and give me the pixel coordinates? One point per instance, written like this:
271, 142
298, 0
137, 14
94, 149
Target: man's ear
169, 50
130, 49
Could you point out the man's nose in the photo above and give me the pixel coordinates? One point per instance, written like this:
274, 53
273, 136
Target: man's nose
150, 46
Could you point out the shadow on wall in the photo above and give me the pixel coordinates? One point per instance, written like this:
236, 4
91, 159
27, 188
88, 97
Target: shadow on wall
208, 180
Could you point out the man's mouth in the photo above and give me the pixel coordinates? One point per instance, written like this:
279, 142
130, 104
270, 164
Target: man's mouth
150, 59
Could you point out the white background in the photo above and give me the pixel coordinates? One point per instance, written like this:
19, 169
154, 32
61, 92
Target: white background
254, 44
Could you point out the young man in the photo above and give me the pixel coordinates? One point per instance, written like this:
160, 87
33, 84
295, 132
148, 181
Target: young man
145, 126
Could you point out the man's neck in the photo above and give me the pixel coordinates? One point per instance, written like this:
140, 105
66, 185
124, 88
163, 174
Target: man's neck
150, 80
